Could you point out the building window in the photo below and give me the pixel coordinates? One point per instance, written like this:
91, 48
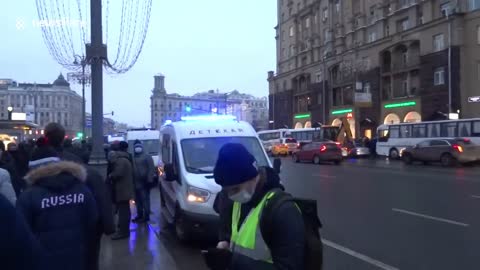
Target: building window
318, 76
405, 87
403, 25
478, 71
473, 4
478, 34
324, 14
445, 9
438, 43
319, 98
372, 36
439, 76
337, 6
387, 30
292, 32
307, 22
366, 87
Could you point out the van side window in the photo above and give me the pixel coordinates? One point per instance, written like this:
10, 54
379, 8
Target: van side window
166, 157
175, 162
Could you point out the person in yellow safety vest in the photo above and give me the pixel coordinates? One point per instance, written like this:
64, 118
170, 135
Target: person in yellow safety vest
249, 192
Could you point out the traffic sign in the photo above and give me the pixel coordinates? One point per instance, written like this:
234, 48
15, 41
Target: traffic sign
474, 99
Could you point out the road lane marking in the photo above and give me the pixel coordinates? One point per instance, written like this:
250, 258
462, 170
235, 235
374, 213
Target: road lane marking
359, 256
475, 196
430, 217
325, 176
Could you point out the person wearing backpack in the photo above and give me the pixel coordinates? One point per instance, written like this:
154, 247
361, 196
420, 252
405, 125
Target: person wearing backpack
282, 245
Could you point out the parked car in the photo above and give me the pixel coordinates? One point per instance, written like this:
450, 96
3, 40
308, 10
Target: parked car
357, 150
317, 152
280, 149
446, 151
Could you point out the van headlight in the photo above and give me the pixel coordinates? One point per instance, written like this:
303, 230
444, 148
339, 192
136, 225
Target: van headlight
197, 195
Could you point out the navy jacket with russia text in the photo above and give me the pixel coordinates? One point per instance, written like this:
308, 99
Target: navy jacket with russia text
61, 212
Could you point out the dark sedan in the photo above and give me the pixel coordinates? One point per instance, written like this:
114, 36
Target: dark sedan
446, 151
317, 152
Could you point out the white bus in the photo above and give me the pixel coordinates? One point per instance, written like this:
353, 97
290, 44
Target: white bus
393, 138
308, 135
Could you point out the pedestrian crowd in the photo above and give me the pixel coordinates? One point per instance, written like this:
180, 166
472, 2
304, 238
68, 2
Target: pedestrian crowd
55, 209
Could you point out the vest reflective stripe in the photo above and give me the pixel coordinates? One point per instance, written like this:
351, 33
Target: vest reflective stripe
248, 240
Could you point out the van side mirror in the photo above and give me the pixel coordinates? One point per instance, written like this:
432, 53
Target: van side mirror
277, 165
169, 173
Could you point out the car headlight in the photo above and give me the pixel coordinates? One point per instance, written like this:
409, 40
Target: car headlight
197, 195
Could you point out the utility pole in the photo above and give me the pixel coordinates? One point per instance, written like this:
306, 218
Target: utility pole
449, 63
96, 54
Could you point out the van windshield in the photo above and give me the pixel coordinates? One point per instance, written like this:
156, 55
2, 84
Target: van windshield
201, 154
150, 147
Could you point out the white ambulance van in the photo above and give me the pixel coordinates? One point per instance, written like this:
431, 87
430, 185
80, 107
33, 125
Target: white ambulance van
189, 150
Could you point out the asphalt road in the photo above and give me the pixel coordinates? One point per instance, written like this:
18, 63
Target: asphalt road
376, 215
386, 215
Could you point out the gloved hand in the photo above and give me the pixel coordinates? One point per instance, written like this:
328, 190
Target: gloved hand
217, 259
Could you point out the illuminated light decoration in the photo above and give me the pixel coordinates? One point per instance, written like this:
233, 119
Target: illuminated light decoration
401, 104
342, 111
302, 116
349, 115
188, 108
208, 118
168, 122
80, 135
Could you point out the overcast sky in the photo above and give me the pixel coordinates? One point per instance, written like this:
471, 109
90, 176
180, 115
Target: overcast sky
198, 45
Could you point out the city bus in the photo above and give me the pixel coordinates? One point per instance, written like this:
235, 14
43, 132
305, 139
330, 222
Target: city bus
393, 138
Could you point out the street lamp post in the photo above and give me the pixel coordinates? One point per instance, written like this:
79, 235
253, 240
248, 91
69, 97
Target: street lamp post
10, 111
81, 61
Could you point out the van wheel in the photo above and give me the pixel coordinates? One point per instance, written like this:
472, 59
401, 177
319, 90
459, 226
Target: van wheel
447, 160
316, 160
181, 230
394, 153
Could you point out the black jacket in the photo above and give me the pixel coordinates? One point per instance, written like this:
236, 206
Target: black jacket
61, 212
287, 239
19, 248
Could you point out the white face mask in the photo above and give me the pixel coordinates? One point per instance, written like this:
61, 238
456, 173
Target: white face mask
138, 150
244, 195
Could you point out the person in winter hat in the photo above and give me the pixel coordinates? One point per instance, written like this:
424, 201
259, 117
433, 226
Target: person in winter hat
121, 177
246, 191
143, 170
59, 208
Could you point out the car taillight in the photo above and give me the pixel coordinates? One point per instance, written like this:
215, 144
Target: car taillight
323, 148
458, 148
339, 145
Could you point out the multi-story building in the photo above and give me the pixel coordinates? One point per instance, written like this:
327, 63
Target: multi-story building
172, 107
374, 62
43, 103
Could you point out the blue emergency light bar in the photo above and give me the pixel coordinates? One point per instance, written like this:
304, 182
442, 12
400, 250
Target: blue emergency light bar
208, 118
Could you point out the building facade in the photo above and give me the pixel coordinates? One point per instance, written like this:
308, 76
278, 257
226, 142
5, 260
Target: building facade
374, 62
43, 103
172, 107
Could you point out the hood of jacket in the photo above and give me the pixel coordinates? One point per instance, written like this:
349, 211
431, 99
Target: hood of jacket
57, 176
269, 180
